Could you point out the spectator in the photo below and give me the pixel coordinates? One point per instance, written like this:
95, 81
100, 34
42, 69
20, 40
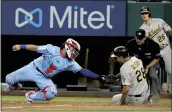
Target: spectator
165, 88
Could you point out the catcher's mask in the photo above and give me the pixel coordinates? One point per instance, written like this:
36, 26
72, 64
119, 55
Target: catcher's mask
72, 48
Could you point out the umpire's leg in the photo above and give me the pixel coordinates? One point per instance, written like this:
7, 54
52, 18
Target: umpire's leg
155, 82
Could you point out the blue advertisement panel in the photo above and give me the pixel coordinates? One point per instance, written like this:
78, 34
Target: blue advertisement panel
80, 18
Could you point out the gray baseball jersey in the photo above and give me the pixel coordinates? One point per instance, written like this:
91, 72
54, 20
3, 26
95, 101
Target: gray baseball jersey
133, 75
156, 31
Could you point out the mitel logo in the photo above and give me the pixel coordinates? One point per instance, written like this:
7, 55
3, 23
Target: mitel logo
28, 18
75, 17
86, 19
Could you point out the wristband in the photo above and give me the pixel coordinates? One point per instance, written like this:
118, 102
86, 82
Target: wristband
22, 46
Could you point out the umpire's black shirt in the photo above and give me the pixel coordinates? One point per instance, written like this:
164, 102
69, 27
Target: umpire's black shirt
146, 52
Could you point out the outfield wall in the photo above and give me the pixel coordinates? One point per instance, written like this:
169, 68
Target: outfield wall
158, 10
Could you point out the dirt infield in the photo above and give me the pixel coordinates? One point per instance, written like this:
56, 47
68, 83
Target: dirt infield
77, 106
83, 104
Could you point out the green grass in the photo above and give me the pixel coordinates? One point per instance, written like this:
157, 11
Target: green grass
73, 99
60, 99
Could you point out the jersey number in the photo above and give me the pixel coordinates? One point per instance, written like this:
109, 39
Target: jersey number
161, 38
140, 74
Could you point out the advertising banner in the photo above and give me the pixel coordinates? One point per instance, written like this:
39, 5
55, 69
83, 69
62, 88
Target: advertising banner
80, 18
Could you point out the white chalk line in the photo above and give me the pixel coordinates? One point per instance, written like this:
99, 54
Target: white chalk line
38, 106
64, 105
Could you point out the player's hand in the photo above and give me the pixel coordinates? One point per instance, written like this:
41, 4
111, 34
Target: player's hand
119, 103
16, 48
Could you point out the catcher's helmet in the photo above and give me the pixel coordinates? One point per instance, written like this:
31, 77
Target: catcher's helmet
140, 34
120, 51
72, 48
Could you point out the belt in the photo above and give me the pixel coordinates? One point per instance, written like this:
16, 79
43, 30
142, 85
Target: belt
39, 70
139, 95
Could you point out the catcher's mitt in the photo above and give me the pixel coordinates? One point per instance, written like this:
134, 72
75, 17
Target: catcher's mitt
111, 79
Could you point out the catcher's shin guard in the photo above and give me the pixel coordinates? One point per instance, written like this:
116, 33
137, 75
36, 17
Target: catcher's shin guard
48, 93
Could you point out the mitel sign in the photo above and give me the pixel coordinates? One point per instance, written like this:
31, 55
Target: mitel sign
64, 18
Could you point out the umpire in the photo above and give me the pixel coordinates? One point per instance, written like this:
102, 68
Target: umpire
149, 52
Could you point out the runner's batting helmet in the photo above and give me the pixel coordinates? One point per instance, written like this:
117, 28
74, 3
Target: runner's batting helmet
120, 51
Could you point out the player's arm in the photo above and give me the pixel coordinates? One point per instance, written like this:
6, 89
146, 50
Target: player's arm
125, 79
76, 68
124, 93
170, 32
89, 73
29, 47
166, 27
40, 49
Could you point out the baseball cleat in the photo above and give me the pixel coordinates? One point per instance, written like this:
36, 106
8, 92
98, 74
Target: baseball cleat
28, 99
19, 86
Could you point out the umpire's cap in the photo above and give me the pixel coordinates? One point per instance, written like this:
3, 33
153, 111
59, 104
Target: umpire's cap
120, 51
145, 9
140, 34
